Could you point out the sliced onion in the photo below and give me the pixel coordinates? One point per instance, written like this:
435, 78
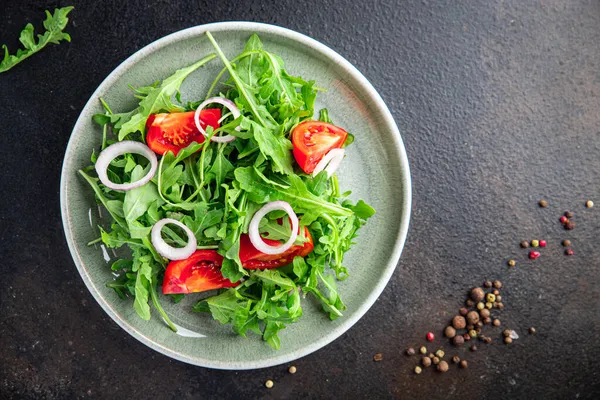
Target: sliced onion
172, 253
330, 162
254, 233
118, 149
224, 102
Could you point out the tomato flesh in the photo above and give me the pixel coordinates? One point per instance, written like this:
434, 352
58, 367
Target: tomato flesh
254, 259
312, 140
198, 273
175, 131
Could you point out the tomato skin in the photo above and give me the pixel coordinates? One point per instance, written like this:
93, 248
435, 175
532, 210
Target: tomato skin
174, 131
312, 140
198, 273
254, 259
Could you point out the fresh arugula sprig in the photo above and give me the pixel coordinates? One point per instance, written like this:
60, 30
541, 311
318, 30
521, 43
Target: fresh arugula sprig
54, 25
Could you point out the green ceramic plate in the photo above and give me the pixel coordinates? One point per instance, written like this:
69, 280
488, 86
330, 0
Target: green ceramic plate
375, 169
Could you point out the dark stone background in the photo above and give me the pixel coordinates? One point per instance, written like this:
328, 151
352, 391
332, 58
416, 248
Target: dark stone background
498, 104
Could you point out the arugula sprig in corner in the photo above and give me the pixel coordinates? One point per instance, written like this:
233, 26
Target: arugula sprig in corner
54, 25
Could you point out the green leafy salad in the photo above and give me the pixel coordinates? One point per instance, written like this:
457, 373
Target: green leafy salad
234, 195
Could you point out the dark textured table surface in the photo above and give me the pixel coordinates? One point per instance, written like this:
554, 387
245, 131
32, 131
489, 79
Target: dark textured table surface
498, 103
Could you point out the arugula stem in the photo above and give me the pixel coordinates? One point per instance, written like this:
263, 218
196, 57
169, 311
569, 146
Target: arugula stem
236, 80
159, 308
98, 240
239, 57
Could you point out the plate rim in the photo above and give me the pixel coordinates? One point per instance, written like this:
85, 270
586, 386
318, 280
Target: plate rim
405, 179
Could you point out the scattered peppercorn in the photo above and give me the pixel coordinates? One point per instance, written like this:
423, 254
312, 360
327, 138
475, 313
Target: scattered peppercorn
423, 350
442, 366
489, 305
487, 284
512, 263
532, 330
480, 306
430, 336
473, 348
543, 203
450, 332
410, 351
469, 303
470, 327
498, 298
569, 252
496, 292
490, 297
440, 354
535, 243
543, 243
426, 361
500, 306
524, 244
498, 284
456, 359
569, 214
507, 332
472, 317
563, 220
435, 360
479, 325
269, 384
487, 339
463, 311
418, 370
507, 340
485, 313
292, 369
464, 364
472, 333
478, 331
378, 357
570, 225
496, 322
487, 320
431, 355
458, 340
477, 294
466, 337
534, 254
458, 322
589, 204
566, 243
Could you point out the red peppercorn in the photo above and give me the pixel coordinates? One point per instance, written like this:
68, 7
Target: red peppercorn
563, 220
543, 243
430, 336
569, 252
534, 254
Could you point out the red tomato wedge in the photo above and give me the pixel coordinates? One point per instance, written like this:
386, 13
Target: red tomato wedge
199, 272
174, 131
312, 140
254, 259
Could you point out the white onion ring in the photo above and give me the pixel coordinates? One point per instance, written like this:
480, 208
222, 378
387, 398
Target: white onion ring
224, 102
172, 253
330, 162
118, 149
254, 233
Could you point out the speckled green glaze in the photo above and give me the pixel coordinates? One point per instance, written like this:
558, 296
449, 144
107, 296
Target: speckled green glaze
375, 169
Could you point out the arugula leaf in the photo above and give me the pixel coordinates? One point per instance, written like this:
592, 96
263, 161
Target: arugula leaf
54, 25
142, 284
138, 201
299, 197
157, 99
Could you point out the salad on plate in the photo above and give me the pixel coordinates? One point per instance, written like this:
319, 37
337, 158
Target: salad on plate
234, 194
